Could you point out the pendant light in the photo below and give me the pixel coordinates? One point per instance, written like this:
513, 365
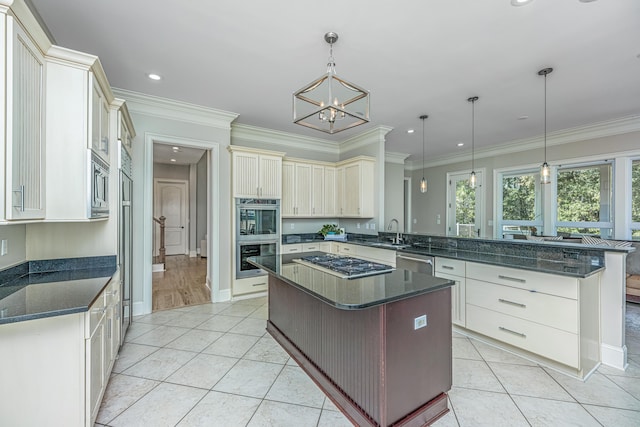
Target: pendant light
473, 179
330, 103
545, 171
423, 181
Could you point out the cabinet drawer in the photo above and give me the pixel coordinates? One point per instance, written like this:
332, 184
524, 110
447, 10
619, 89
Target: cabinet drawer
450, 266
524, 279
290, 249
311, 247
253, 284
551, 343
557, 312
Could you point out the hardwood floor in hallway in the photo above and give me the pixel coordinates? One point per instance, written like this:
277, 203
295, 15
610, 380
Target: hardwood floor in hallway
182, 284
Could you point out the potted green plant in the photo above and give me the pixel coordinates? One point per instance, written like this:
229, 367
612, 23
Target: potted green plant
330, 229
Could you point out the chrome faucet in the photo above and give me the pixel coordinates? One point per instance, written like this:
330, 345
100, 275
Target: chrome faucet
398, 238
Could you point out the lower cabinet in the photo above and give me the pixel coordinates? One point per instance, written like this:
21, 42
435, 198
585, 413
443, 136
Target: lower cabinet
454, 270
250, 285
58, 367
548, 317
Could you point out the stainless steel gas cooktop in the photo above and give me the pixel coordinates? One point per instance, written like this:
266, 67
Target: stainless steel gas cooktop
345, 266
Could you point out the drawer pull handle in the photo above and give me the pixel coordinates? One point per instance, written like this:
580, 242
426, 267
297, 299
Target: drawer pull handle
513, 279
259, 284
517, 304
447, 267
424, 261
520, 334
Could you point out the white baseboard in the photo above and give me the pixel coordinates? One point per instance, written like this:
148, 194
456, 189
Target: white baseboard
223, 295
138, 309
193, 254
155, 268
613, 356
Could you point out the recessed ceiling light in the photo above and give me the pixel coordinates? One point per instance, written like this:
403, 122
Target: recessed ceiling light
520, 2
586, 1
460, 144
410, 131
154, 76
523, 117
175, 148
173, 160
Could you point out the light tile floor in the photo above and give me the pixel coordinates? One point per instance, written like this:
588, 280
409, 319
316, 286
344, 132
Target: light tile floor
214, 365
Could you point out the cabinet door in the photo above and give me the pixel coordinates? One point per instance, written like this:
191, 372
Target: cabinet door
330, 197
25, 123
317, 190
351, 190
287, 205
99, 116
245, 175
458, 298
95, 369
340, 194
303, 189
270, 170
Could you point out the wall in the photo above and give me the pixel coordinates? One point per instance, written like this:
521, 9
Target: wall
161, 120
71, 240
425, 207
394, 195
162, 170
16, 237
201, 200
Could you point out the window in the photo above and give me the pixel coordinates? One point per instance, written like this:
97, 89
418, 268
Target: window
585, 200
464, 215
520, 203
635, 200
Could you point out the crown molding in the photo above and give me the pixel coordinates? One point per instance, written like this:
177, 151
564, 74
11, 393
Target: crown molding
244, 132
398, 158
565, 136
169, 109
375, 135
22, 13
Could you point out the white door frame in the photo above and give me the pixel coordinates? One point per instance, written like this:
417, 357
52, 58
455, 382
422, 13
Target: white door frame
480, 200
213, 215
185, 209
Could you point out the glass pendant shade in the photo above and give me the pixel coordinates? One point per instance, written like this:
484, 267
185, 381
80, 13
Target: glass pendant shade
473, 180
331, 104
423, 185
545, 173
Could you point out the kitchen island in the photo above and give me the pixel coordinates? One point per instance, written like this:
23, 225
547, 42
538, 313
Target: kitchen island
379, 346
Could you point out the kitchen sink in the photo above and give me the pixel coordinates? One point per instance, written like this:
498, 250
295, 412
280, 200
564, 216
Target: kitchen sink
390, 245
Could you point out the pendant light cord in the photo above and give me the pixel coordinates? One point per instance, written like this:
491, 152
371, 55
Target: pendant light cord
423, 118
473, 134
545, 117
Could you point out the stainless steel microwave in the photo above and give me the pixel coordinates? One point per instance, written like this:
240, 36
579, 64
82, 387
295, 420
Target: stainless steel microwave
98, 200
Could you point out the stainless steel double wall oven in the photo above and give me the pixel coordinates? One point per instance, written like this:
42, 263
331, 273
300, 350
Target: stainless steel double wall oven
257, 233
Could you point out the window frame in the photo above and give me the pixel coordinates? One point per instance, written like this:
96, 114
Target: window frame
537, 222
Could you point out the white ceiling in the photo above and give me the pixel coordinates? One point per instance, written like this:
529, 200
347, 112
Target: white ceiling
415, 56
172, 155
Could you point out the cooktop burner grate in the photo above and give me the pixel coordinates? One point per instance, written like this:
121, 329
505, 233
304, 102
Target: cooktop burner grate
347, 267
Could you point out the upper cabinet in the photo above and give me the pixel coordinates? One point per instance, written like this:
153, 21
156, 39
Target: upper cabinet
256, 173
24, 120
78, 136
317, 189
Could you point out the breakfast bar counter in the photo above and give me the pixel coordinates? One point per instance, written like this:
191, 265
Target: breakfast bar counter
379, 346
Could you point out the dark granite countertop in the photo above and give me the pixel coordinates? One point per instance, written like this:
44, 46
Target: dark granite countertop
349, 294
39, 289
571, 260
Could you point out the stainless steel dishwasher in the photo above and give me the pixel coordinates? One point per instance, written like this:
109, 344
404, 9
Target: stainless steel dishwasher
414, 262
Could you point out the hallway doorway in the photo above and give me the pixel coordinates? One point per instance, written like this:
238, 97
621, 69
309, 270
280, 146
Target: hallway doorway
183, 283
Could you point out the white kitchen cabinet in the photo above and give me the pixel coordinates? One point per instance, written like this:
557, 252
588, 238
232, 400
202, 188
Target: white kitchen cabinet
291, 248
250, 285
77, 126
546, 316
355, 187
24, 94
454, 270
384, 256
296, 189
60, 364
317, 190
329, 192
256, 173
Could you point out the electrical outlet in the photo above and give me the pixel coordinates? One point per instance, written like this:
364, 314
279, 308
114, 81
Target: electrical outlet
293, 226
366, 226
373, 226
358, 225
420, 322
4, 247
438, 219
415, 221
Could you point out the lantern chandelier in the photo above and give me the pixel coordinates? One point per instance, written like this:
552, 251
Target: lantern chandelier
331, 104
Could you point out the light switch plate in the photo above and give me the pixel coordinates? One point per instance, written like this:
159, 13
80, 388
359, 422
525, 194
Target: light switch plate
4, 249
420, 322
